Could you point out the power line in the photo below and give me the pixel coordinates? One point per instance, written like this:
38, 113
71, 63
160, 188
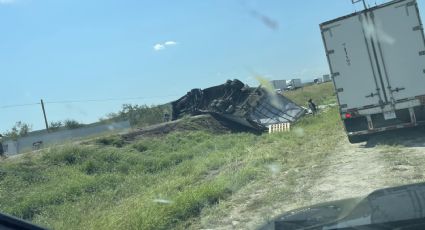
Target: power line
18, 105
106, 99
85, 100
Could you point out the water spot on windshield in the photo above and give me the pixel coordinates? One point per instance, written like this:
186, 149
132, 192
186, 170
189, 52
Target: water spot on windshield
299, 132
274, 168
162, 201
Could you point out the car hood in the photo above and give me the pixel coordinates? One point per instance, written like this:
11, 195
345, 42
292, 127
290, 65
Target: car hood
383, 209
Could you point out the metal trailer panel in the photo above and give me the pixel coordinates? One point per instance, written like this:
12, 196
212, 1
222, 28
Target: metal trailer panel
375, 56
400, 38
350, 63
275, 109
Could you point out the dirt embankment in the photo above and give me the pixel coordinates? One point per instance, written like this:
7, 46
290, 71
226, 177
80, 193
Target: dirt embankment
387, 160
205, 122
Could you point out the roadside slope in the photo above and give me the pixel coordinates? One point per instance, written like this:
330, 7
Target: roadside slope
203, 179
348, 171
157, 182
176, 180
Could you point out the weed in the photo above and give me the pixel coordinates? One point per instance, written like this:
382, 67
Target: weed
116, 141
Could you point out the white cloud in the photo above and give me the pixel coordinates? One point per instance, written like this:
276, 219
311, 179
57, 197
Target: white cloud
170, 43
158, 47
7, 1
161, 46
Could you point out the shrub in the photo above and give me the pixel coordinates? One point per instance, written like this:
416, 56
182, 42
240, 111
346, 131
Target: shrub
69, 155
141, 147
116, 141
72, 124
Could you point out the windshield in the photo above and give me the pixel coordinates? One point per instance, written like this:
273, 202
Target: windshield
205, 114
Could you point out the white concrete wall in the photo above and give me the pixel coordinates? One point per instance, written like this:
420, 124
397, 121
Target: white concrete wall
10, 147
24, 144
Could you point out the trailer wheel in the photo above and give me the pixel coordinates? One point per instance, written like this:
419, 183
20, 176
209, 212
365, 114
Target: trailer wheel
357, 139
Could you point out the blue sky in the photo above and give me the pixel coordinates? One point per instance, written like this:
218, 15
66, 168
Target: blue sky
156, 51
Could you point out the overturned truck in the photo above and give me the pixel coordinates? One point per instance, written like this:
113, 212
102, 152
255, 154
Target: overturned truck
254, 108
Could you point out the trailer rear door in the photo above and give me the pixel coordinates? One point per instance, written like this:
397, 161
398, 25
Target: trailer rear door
400, 42
350, 62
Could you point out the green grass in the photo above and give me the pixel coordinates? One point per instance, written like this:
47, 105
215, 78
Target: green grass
157, 183
322, 94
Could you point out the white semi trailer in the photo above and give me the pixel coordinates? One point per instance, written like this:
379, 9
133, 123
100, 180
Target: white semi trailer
279, 84
377, 63
326, 78
294, 84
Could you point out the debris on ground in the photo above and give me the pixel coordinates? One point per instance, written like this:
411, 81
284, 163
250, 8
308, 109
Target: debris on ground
205, 122
230, 107
255, 108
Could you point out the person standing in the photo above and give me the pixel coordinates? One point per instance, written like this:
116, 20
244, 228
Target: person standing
166, 117
312, 106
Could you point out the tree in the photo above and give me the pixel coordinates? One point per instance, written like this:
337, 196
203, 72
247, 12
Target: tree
20, 129
72, 124
55, 125
140, 115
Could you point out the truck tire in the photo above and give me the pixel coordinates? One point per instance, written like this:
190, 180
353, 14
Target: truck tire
357, 139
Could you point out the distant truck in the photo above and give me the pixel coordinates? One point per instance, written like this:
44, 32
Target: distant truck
279, 85
377, 63
326, 78
294, 84
318, 80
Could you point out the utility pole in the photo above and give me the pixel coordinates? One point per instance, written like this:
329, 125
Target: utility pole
364, 3
44, 113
